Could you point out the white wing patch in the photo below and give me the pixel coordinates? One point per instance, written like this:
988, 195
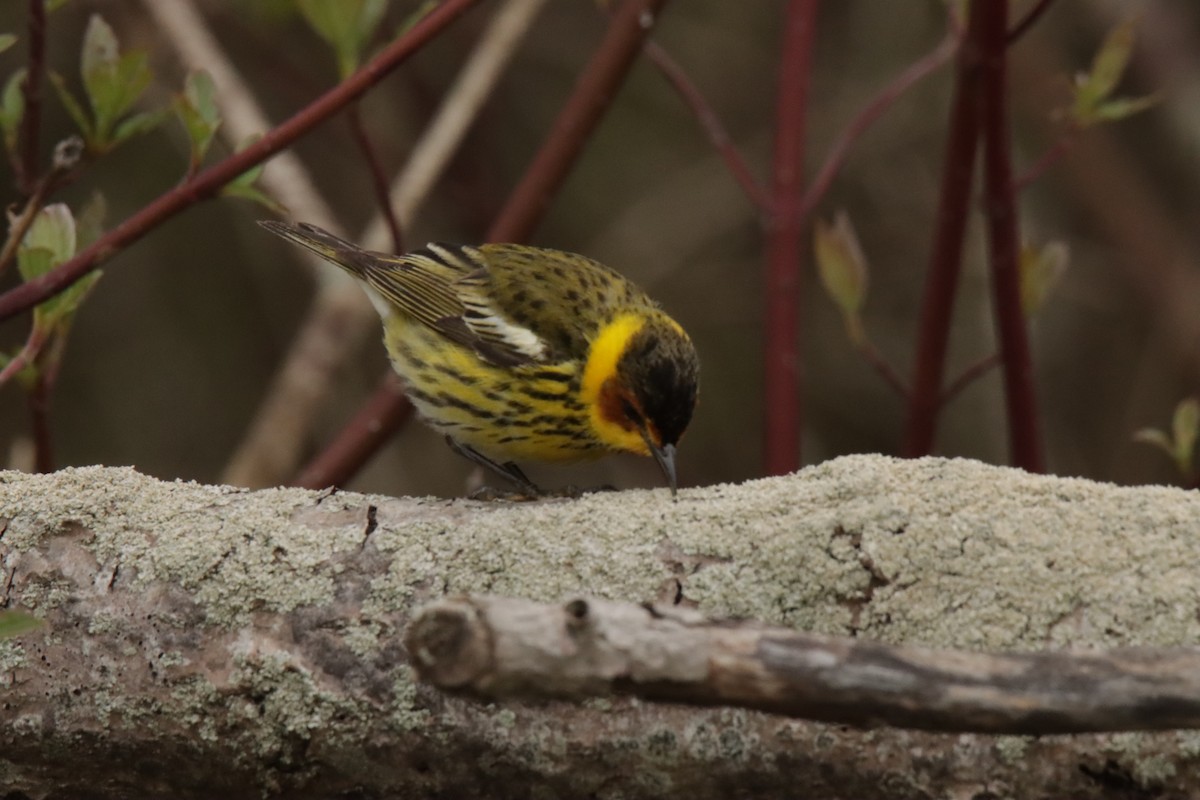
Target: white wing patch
485, 323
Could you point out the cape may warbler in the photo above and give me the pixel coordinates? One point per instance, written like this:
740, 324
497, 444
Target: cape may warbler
520, 353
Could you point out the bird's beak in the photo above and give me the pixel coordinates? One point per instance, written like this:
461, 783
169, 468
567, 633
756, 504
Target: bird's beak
665, 456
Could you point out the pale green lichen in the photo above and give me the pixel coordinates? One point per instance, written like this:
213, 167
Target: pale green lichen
12, 657
1012, 749
946, 553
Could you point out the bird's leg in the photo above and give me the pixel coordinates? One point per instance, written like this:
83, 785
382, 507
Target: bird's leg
508, 469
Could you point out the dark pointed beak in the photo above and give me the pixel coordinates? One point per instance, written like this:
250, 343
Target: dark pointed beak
665, 456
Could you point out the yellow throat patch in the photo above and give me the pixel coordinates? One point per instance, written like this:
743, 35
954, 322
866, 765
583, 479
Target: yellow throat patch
601, 365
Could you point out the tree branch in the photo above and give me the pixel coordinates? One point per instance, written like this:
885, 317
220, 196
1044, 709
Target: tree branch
27, 166
210, 181
782, 364
573, 127
945, 261
1025, 441
499, 648
207, 641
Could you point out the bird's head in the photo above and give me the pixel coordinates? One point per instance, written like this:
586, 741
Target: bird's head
641, 381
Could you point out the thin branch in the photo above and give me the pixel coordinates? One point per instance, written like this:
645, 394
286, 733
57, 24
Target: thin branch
39, 398
969, 376
882, 367
379, 181
867, 117
1025, 443
590, 98
713, 128
1057, 152
945, 262
27, 166
500, 648
783, 370
27, 355
1028, 21
362, 437
209, 182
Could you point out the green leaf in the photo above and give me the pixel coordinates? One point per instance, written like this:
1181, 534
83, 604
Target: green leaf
98, 59
15, 623
73, 107
113, 81
253, 193
346, 25
12, 109
843, 271
54, 5
197, 110
1093, 101
1123, 107
1185, 425
1041, 268
243, 185
7, 40
841, 263
139, 123
1155, 438
1111, 59
49, 241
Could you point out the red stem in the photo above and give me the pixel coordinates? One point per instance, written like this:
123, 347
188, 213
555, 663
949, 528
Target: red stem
373, 425
589, 99
27, 163
209, 182
783, 412
379, 181
991, 19
945, 261
591, 96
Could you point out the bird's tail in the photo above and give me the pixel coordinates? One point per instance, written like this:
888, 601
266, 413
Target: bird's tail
333, 249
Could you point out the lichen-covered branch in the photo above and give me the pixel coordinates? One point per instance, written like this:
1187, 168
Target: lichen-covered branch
502, 647
208, 641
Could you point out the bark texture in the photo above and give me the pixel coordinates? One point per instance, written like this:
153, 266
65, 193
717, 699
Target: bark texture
205, 641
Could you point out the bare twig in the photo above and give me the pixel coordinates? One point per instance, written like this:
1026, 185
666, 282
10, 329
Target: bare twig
783, 370
878, 105
27, 167
209, 182
711, 123
379, 181
498, 647
1056, 153
883, 367
1026, 22
1025, 444
969, 376
373, 425
572, 129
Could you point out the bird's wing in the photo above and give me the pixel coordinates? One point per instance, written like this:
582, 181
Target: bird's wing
446, 287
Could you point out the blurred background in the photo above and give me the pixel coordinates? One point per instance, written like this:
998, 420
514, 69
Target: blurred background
173, 352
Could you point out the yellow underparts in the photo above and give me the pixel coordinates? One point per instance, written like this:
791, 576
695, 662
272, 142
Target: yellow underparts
601, 367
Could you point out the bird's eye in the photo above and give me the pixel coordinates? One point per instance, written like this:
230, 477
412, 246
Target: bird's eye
630, 411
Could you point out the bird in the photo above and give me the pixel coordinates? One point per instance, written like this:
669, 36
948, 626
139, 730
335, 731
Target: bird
517, 353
